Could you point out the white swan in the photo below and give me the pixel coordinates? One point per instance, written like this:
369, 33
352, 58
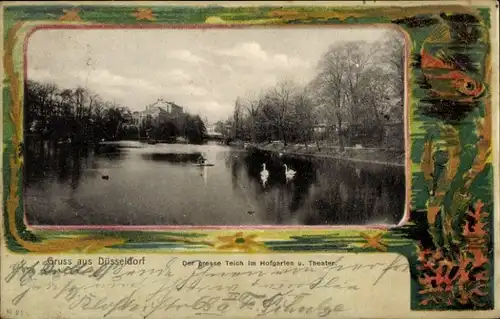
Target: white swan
264, 171
264, 174
289, 173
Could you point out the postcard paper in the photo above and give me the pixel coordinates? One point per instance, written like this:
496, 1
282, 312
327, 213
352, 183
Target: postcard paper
250, 159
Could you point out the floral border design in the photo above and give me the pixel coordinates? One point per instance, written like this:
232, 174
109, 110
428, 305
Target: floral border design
447, 238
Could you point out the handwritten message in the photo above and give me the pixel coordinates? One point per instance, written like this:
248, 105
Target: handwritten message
185, 286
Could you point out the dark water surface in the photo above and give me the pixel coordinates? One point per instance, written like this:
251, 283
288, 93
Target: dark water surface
130, 183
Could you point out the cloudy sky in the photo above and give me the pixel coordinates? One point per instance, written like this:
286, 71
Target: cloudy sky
202, 70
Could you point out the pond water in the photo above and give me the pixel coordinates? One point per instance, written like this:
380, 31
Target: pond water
132, 183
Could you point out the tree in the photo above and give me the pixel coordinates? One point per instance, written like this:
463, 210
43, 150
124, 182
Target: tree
253, 105
40, 100
114, 118
351, 82
195, 129
277, 106
220, 127
393, 58
81, 117
330, 86
304, 114
238, 119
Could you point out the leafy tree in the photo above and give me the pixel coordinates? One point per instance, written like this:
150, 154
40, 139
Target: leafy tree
195, 129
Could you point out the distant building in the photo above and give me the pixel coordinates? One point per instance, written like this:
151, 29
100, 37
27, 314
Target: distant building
320, 128
159, 112
212, 131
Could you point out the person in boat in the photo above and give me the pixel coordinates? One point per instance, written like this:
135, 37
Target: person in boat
201, 160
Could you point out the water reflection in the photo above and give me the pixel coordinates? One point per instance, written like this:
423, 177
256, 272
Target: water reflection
174, 158
109, 151
157, 185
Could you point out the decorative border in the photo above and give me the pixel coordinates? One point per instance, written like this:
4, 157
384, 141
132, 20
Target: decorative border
447, 236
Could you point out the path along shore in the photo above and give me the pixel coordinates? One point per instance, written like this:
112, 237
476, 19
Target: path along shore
381, 156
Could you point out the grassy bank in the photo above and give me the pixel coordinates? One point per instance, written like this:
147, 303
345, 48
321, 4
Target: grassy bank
355, 154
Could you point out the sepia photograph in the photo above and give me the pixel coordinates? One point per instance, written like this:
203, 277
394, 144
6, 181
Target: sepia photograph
296, 157
214, 127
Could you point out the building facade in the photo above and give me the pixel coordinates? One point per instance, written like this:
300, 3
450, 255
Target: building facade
159, 112
211, 129
212, 132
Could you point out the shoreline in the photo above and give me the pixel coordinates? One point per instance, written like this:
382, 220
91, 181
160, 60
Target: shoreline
352, 154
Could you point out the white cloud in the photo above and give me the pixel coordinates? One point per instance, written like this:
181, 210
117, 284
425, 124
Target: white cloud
175, 82
186, 56
227, 67
211, 109
116, 94
286, 61
40, 75
253, 53
106, 78
177, 76
203, 70
192, 90
247, 49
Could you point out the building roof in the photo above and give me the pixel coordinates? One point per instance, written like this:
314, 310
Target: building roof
161, 101
158, 106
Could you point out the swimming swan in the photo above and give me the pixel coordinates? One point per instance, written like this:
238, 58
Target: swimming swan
289, 173
264, 174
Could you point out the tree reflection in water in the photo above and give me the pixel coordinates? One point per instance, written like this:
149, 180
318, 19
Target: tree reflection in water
65, 163
326, 191
159, 185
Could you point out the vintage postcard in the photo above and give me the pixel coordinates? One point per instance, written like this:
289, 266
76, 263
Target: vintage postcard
250, 159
